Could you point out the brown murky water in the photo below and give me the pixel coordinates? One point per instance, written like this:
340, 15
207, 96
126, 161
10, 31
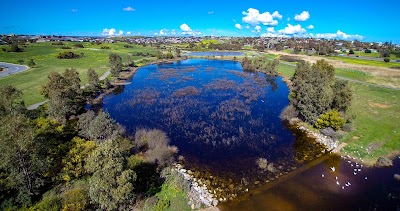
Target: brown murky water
316, 186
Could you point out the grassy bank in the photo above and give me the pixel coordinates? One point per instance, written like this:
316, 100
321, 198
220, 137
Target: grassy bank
376, 128
365, 62
44, 55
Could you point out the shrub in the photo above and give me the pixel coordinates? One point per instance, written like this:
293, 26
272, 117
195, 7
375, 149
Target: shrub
20, 61
128, 46
262, 163
57, 43
386, 59
31, 63
157, 144
348, 127
65, 47
290, 58
69, 55
79, 45
105, 47
331, 119
351, 51
134, 161
367, 51
289, 113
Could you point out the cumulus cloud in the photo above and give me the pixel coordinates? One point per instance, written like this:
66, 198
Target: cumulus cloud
291, 30
238, 26
211, 12
112, 32
74, 10
302, 17
257, 29
186, 30
109, 32
173, 32
339, 35
254, 17
271, 30
277, 15
128, 33
129, 9
162, 32
310, 27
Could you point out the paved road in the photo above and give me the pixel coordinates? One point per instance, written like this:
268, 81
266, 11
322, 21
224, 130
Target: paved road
11, 69
36, 105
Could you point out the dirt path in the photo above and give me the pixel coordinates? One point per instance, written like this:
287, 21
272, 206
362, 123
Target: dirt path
376, 71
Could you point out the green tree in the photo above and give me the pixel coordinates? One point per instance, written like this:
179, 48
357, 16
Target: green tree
111, 185
10, 100
93, 79
98, 127
73, 163
342, 96
331, 119
129, 61
15, 48
313, 89
21, 157
20, 61
178, 52
115, 64
64, 94
351, 51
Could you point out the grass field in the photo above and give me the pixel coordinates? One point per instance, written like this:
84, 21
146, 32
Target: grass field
377, 124
44, 55
365, 62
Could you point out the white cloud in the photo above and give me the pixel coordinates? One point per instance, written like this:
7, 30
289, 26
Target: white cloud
162, 33
186, 30
291, 30
339, 35
238, 26
277, 15
288, 19
211, 12
109, 32
302, 17
112, 32
310, 27
273, 35
271, 30
128, 33
257, 29
74, 10
173, 32
254, 17
129, 9
247, 27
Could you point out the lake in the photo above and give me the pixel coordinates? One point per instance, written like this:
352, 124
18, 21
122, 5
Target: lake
215, 53
221, 118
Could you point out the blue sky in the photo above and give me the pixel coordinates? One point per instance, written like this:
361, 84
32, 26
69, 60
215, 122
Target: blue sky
369, 20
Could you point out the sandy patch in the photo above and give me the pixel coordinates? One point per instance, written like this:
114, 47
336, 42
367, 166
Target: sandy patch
379, 105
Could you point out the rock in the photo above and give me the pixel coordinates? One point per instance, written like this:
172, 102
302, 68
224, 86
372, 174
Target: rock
396, 177
384, 162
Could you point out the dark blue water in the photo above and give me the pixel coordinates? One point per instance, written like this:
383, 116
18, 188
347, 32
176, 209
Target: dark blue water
221, 118
215, 53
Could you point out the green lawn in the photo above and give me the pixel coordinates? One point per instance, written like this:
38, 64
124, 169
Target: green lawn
44, 55
377, 123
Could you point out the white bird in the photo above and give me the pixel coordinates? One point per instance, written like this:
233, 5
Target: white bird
262, 100
333, 169
322, 175
336, 178
342, 187
366, 177
337, 183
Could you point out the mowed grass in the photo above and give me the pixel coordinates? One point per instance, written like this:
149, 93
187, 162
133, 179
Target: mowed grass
365, 62
376, 126
377, 123
44, 55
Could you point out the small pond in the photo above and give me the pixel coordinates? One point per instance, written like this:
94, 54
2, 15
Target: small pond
221, 118
215, 53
